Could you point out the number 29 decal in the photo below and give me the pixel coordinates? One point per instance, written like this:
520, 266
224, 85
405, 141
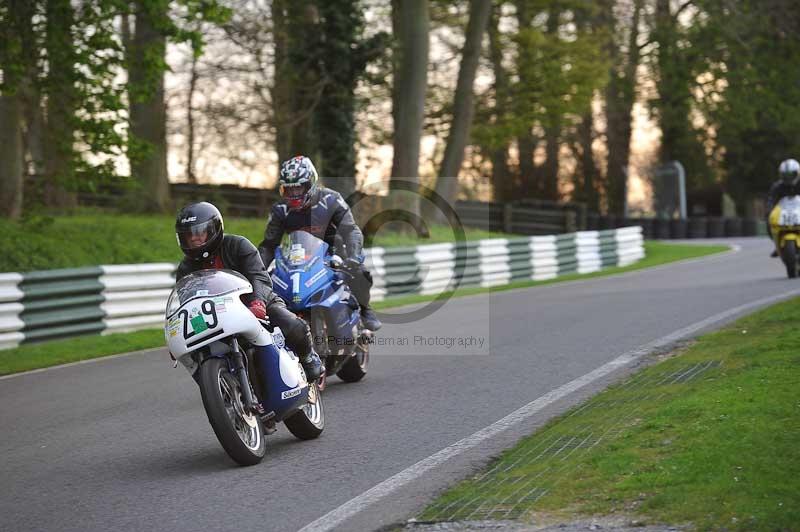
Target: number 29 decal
198, 323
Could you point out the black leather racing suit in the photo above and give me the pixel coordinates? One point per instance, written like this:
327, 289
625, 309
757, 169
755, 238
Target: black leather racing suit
239, 254
327, 217
779, 190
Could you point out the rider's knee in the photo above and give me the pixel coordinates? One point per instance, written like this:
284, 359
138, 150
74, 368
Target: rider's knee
298, 334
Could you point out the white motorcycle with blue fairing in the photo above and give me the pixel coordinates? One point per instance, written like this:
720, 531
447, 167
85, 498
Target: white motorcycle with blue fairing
248, 379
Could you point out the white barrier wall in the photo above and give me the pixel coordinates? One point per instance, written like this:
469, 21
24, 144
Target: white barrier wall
118, 298
434, 268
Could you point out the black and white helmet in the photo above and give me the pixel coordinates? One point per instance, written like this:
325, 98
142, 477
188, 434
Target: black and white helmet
199, 230
789, 171
298, 181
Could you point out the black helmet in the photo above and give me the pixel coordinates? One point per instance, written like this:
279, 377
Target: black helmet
298, 182
199, 230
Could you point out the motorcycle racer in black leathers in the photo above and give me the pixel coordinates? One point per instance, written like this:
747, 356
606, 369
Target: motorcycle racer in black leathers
201, 236
323, 212
787, 185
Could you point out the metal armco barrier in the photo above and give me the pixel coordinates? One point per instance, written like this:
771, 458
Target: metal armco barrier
434, 268
60, 303
53, 304
47, 305
135, 295
10, 309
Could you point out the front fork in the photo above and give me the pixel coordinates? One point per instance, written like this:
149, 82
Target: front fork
239, 370
784, 237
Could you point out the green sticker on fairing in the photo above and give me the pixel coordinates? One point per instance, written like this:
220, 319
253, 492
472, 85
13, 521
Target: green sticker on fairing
198, 323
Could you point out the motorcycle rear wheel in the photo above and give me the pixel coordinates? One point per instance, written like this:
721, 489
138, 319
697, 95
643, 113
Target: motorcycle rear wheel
309, 422
789, 256
241, 434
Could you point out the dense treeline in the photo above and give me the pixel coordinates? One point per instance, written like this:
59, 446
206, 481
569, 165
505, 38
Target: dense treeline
525, 98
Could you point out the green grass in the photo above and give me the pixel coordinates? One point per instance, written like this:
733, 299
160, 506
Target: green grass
719, 451
438, 233
42, 355
91, 238
35, 356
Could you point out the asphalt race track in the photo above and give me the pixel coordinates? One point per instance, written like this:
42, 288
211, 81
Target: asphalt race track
123, 444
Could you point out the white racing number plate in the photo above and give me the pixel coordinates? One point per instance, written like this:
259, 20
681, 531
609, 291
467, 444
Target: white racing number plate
790, 217
196, 323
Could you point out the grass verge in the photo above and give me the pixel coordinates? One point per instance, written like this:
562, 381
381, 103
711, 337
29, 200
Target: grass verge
42, 355
89, 238
27, 357
707, 437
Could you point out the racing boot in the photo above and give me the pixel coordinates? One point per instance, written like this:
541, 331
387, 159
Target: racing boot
369, 319
312, 365
774, 253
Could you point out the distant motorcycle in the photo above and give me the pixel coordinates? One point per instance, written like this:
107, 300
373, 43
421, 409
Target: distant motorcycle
312, 283
248, 378
784, 223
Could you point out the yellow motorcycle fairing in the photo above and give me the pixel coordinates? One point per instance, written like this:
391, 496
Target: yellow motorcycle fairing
782, 233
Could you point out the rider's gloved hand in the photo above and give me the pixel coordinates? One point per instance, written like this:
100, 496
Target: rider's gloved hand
258, 308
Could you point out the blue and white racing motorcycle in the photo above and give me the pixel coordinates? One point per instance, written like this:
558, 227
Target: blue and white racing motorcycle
312, 283
248, 379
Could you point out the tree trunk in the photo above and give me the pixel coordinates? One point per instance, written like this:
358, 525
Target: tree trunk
411, 83
590, 174
502, 180
670, 120
552, 131
297, 86
30, 93
281, 87
675, 79
34, 130
529, 178
526, 142
335, 114
344, 57
11, 156
397, 28
620, 98
19, 50
463, 109
587, 178
191, 177
61, 103
148, 110
550, 167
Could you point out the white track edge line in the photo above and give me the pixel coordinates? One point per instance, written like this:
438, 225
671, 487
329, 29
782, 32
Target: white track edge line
335, 517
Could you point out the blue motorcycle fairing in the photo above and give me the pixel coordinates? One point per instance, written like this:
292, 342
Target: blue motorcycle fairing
304, 279
282, 397
342, 320
278, 396
302, 287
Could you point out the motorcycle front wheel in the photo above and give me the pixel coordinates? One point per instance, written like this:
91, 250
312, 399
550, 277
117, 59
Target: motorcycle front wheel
309, 422
789, 256
356, 366
240, 433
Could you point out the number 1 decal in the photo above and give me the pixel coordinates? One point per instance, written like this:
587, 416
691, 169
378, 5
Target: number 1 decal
296, 282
